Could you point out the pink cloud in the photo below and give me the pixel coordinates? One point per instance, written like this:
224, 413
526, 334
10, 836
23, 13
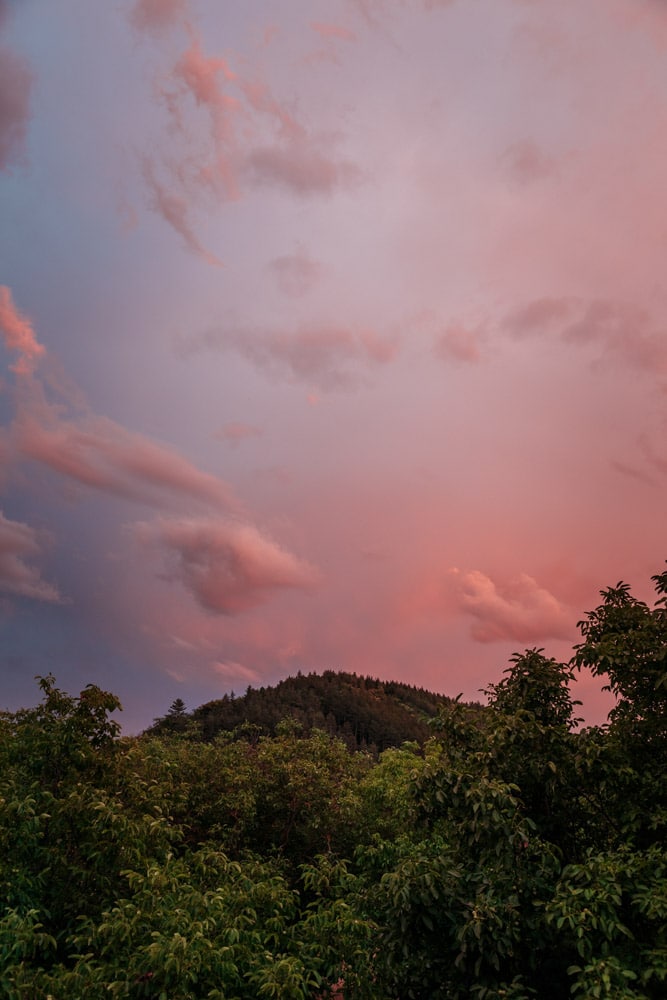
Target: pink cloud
228, 567
199, 74
632, 473
223, 127
527, 162
333, 31
175, 209
457, 343
260, 99
539, 316
379, 349
157, 15
302, 166
199, 165
373, 11
18, 333
331, 36
520, 609
197, 77
19, 543
624, 331
658, 462
296, 274
234, 433
324, 356
231, 670
649, 17
15, 85
100, 454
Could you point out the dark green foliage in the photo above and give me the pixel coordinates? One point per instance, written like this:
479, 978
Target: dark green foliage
509, 855
626, 641
365, 713
537, 863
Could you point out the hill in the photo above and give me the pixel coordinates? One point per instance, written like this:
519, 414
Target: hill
364, 712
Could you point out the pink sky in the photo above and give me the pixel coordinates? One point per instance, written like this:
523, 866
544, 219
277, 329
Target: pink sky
333, 337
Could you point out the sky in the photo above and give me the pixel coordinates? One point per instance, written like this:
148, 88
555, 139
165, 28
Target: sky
333, 336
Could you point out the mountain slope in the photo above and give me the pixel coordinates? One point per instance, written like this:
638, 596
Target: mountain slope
363, 711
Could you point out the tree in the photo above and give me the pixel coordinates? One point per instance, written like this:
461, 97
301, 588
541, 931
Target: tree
626, 641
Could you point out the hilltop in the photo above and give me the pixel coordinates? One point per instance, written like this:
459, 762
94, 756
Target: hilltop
366, 713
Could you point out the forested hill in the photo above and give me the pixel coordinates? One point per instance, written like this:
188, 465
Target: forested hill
364, 712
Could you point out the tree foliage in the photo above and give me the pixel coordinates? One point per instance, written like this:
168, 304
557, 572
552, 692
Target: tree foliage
365, 713
508, 854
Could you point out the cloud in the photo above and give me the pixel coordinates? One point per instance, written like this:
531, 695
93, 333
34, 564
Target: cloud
98, 453
326, 30
302, 165
539, 316
15, 85
262, 101
231, 670
225, 127
624, 331
520, 610
199, 164
17, 332
157, 15
321, 355
331, 35
234, 433
631, 472
658, 462
18, 543
296, 274
175, 209
198, 75
457, 343
228, 567
527, 163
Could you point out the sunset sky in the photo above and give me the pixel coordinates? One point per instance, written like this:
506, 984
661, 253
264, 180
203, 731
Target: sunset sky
334, 335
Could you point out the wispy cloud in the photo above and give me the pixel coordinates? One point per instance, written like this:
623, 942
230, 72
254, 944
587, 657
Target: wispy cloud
331, 37
157, 15
631, 472
296, 274
16, 81
459, 343
328, 30
175, 210
225, 130
325, 356
228, 565
622, 331
100, 454
20, 543
304, 165
527, 162
18, 333
235, 432
231, 670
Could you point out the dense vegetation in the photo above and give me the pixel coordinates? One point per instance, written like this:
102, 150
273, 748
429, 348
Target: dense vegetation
509, 855
365, 713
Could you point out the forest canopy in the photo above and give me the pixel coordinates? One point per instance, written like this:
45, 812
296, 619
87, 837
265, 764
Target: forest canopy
503, 853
